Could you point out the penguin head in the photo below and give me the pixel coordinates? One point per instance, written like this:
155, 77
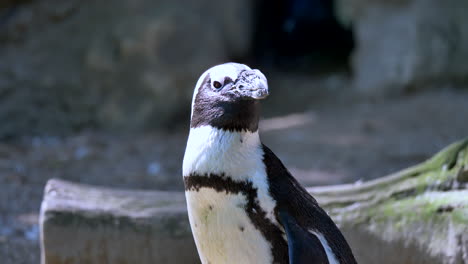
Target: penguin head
227, 97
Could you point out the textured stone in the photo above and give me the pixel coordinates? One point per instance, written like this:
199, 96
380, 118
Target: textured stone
415, 216
404, 45
124, 65
84, 224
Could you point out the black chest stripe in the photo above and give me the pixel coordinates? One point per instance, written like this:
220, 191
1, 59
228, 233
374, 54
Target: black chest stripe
257, 215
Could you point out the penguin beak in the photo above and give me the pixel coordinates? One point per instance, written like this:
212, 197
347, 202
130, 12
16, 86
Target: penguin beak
251, 84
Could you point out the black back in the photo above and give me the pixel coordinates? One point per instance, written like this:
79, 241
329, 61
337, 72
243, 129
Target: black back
294, 203
303, 247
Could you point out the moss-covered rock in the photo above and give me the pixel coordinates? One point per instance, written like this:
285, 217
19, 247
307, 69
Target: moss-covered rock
421, 212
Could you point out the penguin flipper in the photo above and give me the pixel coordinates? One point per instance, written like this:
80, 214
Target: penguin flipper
303, 246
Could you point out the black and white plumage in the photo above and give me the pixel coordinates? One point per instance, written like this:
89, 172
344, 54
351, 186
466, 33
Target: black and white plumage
243, 204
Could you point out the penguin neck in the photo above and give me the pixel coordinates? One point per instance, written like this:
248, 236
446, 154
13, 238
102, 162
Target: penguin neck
233, 115
221, 152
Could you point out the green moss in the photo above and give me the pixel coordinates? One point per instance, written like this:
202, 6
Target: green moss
424, 196
461, 217
425, 205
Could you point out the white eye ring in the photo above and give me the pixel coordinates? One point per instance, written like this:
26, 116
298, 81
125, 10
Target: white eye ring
217, 84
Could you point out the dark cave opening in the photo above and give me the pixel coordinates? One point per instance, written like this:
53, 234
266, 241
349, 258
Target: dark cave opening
296, 35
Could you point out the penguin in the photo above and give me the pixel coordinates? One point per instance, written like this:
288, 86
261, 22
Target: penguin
243, 205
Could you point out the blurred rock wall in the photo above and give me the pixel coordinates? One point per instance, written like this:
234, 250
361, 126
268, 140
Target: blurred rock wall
406, 45
122, 64
127, 65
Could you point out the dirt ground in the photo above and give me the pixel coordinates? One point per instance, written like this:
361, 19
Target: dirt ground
330, 141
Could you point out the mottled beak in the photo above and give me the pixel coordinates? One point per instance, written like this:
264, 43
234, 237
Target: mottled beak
251, 84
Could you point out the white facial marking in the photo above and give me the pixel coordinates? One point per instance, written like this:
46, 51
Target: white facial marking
219, 73
330, 255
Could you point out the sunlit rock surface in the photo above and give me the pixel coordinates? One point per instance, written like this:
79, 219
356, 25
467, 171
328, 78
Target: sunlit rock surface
85, 224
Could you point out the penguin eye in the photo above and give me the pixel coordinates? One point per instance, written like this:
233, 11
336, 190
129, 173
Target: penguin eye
217, 84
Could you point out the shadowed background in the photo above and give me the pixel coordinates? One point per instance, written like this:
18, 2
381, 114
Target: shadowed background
99, 92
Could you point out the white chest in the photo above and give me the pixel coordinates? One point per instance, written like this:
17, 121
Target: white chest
222, 229
233, 154
211, 150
